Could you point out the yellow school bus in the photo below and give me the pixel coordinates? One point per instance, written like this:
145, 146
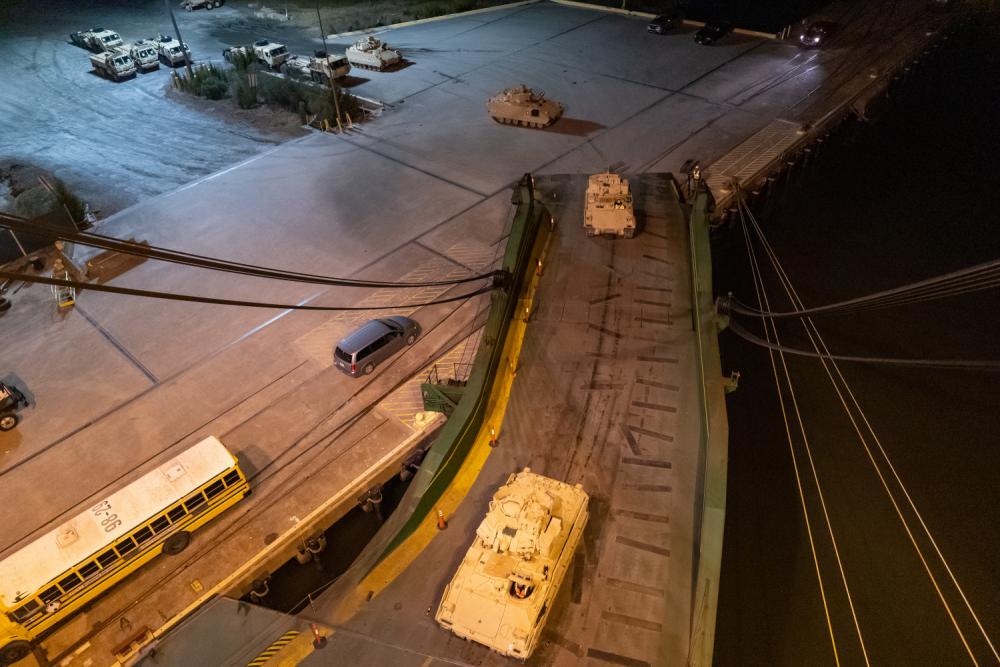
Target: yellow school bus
50, 578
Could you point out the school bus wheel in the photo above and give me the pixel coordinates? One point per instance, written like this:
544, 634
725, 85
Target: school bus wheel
14, 651
176, 543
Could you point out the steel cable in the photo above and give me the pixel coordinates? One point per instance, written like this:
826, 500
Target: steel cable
964, 281
171, 296
48, 232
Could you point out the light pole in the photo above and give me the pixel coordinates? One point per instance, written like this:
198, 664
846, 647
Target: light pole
333, 83
187, 56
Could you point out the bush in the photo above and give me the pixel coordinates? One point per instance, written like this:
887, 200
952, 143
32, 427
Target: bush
206, 81
246, 97
66, 198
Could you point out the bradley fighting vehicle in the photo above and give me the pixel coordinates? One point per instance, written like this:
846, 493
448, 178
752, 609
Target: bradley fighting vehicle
372, 53
608, 209
503, 591
523, 106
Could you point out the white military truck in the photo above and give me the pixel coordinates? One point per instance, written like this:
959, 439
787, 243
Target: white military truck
320, 68
608, 209
116, 65
171, 51
192, 5
267, 53
144, 54
96, 39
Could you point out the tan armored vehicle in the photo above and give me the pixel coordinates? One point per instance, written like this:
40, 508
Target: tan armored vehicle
372, 53
523, 106
503, 591
609, 206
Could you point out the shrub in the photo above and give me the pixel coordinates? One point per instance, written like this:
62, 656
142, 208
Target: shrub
67, 198
246, 97
206, 81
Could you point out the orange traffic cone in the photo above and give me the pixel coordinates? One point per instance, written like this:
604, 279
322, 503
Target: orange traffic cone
319, 641
442, 524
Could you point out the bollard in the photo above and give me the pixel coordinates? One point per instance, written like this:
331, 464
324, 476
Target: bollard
538, 267
441, 524
319, 641
493, 437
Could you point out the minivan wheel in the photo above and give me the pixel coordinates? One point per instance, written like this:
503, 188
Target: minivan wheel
367, 370
411, 339
7, 422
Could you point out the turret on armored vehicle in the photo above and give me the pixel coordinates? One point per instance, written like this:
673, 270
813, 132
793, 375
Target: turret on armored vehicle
320, 68
372, 53
608, 209
503, 591
96, 39
522, 106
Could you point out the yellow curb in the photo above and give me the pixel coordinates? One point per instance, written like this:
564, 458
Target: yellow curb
396, 562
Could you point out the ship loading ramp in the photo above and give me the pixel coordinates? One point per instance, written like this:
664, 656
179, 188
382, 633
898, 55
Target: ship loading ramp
605, 394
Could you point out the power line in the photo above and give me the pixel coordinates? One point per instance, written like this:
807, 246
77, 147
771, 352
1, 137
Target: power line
171, 296
48, 232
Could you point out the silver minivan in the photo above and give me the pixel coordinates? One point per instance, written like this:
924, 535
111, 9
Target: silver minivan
364, 349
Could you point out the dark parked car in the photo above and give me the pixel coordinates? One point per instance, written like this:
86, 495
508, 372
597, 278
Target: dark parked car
666, 22
361, 351
713, 32
817, 33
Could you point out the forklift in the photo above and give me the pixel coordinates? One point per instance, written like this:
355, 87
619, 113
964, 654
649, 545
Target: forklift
11, 400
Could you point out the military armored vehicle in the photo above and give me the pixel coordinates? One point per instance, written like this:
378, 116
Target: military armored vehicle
503, 591
96, 39
608, 209
144, 53
320, 68
372, 53
113, 64
523, 106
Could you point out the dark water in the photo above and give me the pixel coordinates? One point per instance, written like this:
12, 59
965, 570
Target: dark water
294, 585
914, 195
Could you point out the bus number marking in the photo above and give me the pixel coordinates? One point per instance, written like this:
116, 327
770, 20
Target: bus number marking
110, 521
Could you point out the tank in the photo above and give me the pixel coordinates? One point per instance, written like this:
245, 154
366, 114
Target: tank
503, 591
372, 53
608, 209
523, 106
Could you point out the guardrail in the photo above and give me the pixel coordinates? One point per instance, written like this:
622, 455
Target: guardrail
713, 442
447, 454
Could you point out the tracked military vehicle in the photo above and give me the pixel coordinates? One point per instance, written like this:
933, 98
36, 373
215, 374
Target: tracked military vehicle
608, 209
523, 106
503, 591
372, 53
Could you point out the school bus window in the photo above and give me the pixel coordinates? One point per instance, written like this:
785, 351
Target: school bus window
107, 558
70, 582
87, 570
50, 594
125, 546
231, 478
194, 503
143, 534
26, 610
160, 524
214, 489
176, 514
